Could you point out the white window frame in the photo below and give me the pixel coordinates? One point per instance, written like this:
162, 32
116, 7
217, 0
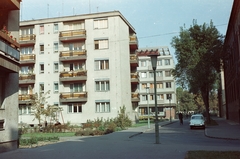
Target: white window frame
102, 85
41, 67
100, 23
74, 108
55, 87
100, 44
103, 107
101, 64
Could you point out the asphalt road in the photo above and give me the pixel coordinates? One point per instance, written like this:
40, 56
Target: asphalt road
175, 141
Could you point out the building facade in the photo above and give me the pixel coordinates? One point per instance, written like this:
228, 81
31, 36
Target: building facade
86, 61
232, 64
166, 89
9, 68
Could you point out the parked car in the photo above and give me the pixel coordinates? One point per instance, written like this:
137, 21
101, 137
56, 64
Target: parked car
197, 120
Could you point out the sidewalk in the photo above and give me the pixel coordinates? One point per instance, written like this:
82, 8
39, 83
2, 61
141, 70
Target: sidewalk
224, 130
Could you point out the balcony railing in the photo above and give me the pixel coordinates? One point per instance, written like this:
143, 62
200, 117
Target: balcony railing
133, 41
72, 35
27, 39
73, 75
26, 78
9, 40
28, 58
8, 50
135, 97
72, 55
24, 98
73, 97
134, 77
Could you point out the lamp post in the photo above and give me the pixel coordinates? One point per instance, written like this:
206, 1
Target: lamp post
154, 65
170, 109
147, 89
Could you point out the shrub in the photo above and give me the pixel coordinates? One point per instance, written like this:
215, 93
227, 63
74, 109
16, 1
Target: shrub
122, 120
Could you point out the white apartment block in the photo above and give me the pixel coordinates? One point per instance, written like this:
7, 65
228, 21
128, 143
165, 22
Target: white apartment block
86, 61
166, 96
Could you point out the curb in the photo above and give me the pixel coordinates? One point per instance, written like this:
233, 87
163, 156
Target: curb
214, 137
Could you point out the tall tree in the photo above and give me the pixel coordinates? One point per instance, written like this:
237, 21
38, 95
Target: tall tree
198, 51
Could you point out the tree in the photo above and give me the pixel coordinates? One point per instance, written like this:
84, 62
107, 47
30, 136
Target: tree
185, 100
198, 52
38, 102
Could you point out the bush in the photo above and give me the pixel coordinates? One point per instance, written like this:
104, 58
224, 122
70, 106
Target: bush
122, 120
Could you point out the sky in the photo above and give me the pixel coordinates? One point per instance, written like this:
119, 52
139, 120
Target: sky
156, 22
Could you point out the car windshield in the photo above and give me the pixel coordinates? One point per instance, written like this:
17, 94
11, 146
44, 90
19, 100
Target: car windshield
197, 117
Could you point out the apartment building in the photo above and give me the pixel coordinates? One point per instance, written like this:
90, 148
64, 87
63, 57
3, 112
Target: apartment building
9, 68
232, 67
86, 61
166, 89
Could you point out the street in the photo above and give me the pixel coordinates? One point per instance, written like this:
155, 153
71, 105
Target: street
175, 141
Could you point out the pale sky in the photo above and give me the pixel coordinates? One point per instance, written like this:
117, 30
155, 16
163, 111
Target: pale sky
155, 21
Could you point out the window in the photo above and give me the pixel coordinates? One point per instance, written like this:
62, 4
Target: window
55, 87
159, 85
76, 87
2, 124
41, 48
41, 87
160, 97
144, 85
41, 29
151, 97
167, 74
2, 90
100, 23
167, 61
143, 63
41, 68
76, 66
102, 86
26, 70
144, 97
159, 62
55, 47
169, 96
159, 74
102, 107
26, 50
55, 67
24, 110
101, 44
151, 74
143, 74
74, 26
168, 84
101, 64
23, 90
26, 31
55, 28
75, 108
76, 46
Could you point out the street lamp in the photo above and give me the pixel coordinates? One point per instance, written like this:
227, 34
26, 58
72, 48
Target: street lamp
154, 65
147, 89
170, 108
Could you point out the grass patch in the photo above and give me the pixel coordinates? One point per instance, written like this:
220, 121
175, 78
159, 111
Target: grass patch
142, 123
213, 155
67, 134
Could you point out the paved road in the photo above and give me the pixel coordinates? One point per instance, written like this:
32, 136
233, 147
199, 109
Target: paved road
175, 141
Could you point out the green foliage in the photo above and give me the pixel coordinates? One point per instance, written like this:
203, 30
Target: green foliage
35, 140
199, 51
123, 120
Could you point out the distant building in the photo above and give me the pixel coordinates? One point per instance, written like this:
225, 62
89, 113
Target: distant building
232, 65
166, 89
9, 68
86, 61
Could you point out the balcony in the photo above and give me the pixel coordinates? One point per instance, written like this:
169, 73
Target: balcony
28, 39
9, 40
80, 75
73, 55
135, 97
134, 77
134, 60
26, 78
133, 42
10, 4
24, 98
73, 97
9, 50
27, 59
72, 35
